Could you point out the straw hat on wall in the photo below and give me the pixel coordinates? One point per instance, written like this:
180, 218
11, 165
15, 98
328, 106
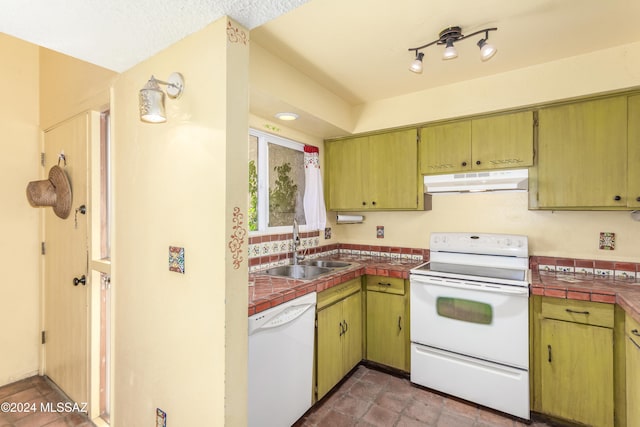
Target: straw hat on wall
55, 192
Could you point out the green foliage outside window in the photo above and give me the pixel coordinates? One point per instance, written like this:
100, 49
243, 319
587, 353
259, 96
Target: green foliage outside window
253, 196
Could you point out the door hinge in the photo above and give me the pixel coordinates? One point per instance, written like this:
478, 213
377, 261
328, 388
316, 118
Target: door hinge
44, 339
43, 249
42, 159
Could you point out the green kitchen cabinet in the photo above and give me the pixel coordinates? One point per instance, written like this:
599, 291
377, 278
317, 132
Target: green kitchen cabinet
582, 155
495, 142
632, 343
345, 164
387, 335
339, 334
633, 153
376, 172
502, 142
576, 369
445, 148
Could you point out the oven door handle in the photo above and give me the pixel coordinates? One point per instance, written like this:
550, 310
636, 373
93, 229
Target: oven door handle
485, 287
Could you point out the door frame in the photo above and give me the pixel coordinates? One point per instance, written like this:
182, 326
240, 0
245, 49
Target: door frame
96, 266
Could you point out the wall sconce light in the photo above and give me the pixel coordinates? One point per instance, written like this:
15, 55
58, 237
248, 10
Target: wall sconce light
448, 37
151, 98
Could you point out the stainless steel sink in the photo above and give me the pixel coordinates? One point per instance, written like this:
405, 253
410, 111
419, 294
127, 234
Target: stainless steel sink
297, 271
326, 263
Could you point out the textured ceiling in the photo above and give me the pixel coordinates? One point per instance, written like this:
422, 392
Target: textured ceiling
117, 34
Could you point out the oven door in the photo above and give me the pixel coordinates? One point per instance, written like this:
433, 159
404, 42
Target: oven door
477, 319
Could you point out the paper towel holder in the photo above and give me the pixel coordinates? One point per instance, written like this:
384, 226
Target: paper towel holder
349, 219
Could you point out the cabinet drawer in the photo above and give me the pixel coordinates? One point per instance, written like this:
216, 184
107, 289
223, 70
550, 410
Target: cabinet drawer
391, 285
589, 313
338, 292
632, 327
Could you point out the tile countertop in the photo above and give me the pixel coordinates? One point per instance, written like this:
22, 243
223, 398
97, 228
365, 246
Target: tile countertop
269, 291
625, 293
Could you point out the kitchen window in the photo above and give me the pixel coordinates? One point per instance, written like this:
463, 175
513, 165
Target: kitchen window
276, 182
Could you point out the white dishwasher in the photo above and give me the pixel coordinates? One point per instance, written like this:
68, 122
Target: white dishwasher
281, 344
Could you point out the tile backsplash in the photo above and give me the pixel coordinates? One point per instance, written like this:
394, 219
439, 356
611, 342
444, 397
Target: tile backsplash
628, 271
274, 250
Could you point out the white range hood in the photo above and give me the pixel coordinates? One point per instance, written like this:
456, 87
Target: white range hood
477, 181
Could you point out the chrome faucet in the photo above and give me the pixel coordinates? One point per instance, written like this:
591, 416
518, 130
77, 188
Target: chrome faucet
296, 243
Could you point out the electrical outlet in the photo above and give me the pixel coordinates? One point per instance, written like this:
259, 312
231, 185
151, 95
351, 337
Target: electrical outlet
161, 418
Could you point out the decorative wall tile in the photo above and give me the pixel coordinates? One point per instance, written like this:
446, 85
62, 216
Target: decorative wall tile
176, 259
607, 241
603, 272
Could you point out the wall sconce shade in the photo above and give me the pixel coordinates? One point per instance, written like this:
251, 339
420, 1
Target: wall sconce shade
448, 37
152, 99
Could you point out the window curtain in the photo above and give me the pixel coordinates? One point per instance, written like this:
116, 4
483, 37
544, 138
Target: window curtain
314, 209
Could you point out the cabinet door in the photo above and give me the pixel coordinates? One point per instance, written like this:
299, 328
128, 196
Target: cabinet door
330, 332
633, 165
583, 154
577, 372
386, 336
504, 141
633, 376
445, 148
345, 161
392, 172
352, 338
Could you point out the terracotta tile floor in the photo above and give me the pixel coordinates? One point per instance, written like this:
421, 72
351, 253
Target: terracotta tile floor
373, 398
36, 392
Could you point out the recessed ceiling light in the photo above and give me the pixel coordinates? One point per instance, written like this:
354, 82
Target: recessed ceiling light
287, 116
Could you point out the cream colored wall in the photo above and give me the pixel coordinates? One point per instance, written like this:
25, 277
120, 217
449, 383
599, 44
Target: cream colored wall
181, 339
601, 71
19, 222
274, 78
69, 86
559, 233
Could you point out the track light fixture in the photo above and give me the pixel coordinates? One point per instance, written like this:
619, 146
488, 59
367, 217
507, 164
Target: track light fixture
151, 97
448, 37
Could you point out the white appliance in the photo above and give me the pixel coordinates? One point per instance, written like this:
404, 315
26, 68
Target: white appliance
281, 348
497, 180
470, 320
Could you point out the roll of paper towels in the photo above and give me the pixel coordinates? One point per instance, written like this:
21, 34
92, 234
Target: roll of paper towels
349, 219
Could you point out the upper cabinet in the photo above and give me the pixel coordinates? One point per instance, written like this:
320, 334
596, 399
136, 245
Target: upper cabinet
496, 142
633, 152
582, 154
377, 172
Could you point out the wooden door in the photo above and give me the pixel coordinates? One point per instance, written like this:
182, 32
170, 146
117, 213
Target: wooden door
445, 148
66, 257
329, 363
582, 159
344, 169
504, 141
386, 329
392, 170
577, 372
352, 338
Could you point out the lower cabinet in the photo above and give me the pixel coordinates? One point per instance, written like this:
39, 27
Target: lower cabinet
632, 343
576, 361
387, 335
339, 333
